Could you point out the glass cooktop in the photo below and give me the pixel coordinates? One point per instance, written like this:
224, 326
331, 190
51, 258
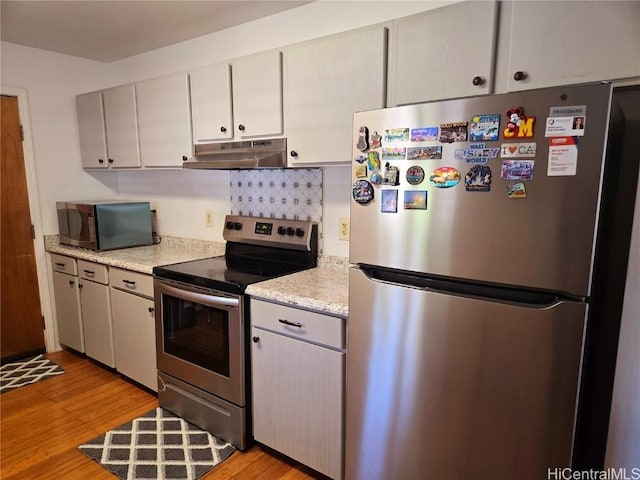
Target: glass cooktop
230, 275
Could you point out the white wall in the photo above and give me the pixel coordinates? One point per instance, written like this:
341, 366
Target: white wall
53, 80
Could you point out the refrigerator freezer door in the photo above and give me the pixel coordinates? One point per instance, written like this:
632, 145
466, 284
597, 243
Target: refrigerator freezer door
449, 387
542, 241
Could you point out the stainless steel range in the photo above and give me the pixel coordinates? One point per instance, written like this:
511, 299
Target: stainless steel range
202, 321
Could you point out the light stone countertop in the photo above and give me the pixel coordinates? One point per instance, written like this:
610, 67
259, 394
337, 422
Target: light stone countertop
324, 289
142, 259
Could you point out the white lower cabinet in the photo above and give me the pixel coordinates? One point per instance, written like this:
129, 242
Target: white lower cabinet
298, 386
134, 330
96, 312
67, 302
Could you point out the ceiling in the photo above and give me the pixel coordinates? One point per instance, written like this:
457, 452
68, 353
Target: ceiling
109, 30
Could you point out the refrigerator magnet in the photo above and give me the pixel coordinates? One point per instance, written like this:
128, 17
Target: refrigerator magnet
415, 175
360, 159
361, 171
391, 175
445, 177
478, 179
389, 201
394, 153
396, 135
453, 132
516, 190
484, 128
518, 124
563, 157
424, 134
363, 139
373, 159
425, 153
415, 200
376, 140
477, 153
375, 178
362, 192
517, 169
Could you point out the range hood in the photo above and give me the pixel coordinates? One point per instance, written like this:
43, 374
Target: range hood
245, 154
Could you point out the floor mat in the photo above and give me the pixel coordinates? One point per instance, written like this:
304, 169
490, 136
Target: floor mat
157, 445
27, 371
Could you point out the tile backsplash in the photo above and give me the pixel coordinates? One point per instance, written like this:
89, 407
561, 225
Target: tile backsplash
279, 193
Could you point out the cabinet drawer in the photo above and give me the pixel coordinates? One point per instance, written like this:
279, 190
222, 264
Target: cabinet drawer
93, 271
310, 326
133, 282
63, 264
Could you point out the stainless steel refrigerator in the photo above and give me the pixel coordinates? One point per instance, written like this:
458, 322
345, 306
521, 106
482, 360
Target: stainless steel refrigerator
476, 229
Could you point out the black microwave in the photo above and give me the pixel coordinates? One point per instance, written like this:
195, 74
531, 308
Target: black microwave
104, 225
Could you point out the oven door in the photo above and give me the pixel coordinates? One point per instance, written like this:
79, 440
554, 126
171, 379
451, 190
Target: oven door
200, 338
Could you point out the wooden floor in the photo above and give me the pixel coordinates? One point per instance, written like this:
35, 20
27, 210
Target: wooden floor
42, 424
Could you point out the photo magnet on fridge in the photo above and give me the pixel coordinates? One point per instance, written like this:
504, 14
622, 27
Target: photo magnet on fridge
389, 201
425, 153
415, 175
375, 140
516, 190
445, 177
425, 134
484, 128
415, 200
478, 179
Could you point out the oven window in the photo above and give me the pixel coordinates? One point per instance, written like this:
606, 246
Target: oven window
196, 333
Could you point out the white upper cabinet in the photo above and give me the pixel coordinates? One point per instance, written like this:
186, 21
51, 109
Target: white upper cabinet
326, 81
443, 53
122, 126
257, 95
164, 121
559, 43
211, 103
93, 141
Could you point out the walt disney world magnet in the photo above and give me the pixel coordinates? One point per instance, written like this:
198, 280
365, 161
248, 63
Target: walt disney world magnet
362, 192
518, 124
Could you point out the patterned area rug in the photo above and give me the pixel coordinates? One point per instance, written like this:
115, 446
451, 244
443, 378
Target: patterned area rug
26, 372
157, 445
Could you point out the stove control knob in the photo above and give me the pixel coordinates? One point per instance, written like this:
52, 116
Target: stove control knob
299, 232
230, 225
237, 226
290, 231
281, 230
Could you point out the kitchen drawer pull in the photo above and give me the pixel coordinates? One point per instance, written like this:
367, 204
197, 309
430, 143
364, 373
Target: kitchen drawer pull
287, 322
89, 272
61, 265
128, 282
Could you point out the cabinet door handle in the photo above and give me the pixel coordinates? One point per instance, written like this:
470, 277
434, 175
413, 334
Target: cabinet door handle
241, 127
71, 282
110, 160
519, 76
151, 309
184, 158
100, 160
287, 322
129, 282
255, 339
293, 153
223, 129
477, 81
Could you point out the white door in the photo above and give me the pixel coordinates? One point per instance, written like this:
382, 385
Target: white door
562, 43
164, 121
91, 128
326, 81
444, 53
257, 95
67, 297
121, 120
211, 103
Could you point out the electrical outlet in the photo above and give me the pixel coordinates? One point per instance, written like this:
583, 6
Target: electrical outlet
208, 218
343, 228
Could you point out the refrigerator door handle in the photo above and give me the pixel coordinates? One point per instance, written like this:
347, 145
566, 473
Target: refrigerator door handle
471, 289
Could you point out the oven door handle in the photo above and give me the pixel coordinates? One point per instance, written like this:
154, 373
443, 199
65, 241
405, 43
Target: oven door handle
211, 300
